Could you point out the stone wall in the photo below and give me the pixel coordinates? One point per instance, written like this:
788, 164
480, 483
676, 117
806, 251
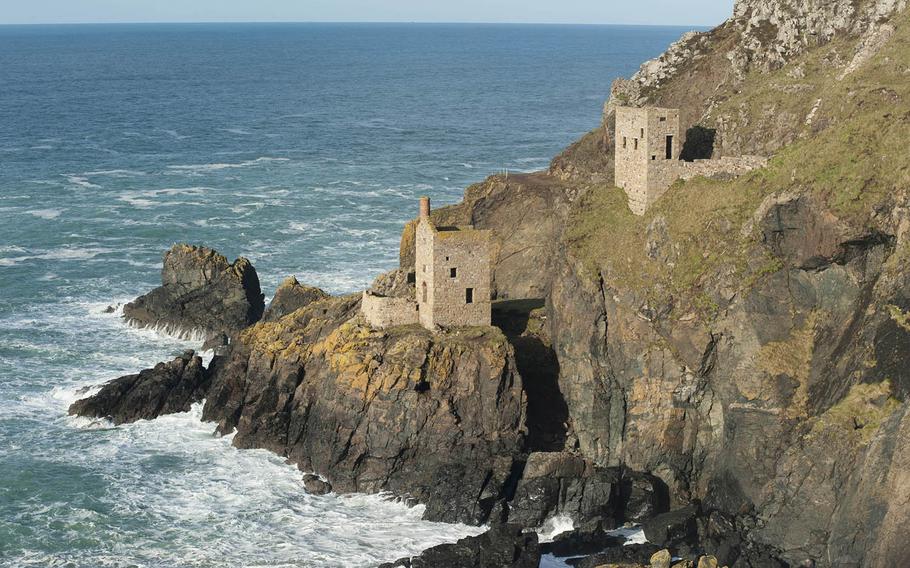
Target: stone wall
382, 312
726, 166
644, 155
424, 271
466, 254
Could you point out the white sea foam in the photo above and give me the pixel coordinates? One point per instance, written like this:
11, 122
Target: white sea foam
200, 168
115, 173
80, 181
46, 213
172, 491
554, 526
59, 254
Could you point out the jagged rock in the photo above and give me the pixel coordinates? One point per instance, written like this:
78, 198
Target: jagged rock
314, 485
642, 496
580, 542
661, 559
561, 483
438, 418
504, 546
291, 295
165, 389
672, 528
200, 293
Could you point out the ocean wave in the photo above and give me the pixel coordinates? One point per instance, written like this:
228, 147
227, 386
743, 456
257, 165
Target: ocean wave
60, 254
199, 168
80, 181
46, 213
143, 199
114, 173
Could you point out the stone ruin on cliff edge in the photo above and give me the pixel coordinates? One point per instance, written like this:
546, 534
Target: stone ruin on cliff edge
452, 269
647, 160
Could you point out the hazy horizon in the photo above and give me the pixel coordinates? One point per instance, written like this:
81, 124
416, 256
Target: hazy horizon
569, 12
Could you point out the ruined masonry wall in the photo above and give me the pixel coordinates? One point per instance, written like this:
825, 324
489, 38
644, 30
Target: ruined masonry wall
423, 270
382, 312
728, 165
468, 252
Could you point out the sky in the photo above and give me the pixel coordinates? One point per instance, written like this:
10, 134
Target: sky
659, 12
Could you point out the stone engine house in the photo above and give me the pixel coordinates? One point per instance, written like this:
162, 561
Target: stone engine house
648, 148
452, 270
647, 152
452, 280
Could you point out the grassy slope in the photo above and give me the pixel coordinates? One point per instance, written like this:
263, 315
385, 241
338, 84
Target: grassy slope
853, 164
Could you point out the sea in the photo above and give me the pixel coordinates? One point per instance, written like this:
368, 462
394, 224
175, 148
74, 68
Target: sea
303, 147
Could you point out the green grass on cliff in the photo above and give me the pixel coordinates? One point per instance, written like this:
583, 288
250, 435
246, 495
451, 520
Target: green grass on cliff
852, 165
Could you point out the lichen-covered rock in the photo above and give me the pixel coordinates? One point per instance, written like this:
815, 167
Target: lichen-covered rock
165, 389
291, 295
439, 418
201, 293
398, 283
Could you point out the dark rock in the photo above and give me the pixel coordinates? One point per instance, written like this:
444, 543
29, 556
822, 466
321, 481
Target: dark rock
673, 528
290, 296
215, 342
504, 546
110, 310
580, 543
562, 483
165, 389
641, 496
314, 485
635, 554
200, 292
340, 399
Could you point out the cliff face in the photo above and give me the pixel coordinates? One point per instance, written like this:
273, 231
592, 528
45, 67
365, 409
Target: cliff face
748, 341
439, 418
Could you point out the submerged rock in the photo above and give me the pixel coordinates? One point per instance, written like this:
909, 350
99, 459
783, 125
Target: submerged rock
504, 546
165, 389
291, 295
316, 486
200, 293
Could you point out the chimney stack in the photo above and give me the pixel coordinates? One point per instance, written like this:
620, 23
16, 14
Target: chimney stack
425, 208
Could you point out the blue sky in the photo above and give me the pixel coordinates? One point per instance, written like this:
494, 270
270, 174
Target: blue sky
691, 12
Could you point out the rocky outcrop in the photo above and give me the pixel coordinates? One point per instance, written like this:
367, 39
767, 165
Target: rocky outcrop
503, 546
290, 296
561, 483
165, 389
201, 293
438, 418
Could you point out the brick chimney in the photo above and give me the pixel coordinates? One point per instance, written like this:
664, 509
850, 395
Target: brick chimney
425, 208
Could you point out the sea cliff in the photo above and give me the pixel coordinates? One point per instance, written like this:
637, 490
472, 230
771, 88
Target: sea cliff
739, 354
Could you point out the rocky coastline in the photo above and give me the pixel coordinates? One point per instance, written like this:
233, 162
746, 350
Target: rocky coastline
729, 372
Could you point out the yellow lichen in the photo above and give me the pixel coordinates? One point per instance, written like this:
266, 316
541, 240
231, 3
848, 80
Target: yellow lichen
792, 357
899, 316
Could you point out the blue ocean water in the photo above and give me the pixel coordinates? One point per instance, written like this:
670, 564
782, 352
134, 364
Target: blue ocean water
301, 146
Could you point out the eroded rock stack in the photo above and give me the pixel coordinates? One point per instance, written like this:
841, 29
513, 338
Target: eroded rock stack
201, 293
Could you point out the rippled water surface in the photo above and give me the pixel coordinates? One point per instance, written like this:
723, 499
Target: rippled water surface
302, 147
